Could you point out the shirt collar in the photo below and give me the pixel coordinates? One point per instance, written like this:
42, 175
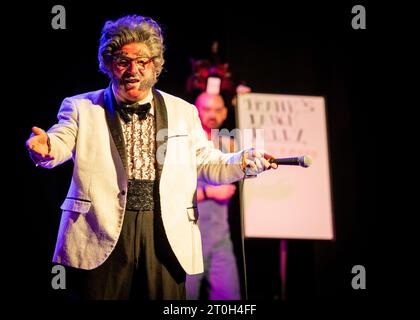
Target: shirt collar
149, 98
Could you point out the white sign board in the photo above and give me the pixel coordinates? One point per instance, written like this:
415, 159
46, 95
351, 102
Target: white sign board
291, 202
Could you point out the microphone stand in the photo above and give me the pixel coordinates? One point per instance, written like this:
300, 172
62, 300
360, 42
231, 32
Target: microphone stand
241, 213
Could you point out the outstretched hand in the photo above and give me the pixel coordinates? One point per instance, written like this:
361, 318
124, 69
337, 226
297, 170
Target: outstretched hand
38, 145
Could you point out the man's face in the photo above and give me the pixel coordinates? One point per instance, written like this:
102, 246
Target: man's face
133, 72
212, 110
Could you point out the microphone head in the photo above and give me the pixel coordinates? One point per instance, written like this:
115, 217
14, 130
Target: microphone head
305, 161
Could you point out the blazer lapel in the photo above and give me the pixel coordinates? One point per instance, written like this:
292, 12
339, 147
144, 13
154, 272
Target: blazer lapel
161, 130
114, 125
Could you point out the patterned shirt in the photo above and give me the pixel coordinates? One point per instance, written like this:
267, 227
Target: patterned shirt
140, 138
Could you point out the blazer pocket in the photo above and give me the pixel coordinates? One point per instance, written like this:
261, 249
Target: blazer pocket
181, 135
192, 213
76, 205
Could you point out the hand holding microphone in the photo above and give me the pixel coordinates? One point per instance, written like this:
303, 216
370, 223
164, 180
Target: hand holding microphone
256, 161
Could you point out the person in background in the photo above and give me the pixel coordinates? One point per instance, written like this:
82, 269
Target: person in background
220, 278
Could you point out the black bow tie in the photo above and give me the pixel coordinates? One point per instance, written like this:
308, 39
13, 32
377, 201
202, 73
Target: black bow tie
127, 111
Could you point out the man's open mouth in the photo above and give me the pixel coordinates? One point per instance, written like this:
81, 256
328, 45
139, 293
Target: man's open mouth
131, 80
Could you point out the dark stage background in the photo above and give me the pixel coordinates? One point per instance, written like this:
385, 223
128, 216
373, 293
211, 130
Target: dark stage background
289, 49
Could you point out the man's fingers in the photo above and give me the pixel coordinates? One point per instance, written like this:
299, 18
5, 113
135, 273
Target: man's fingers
250, 164
37, 131
266, 164
259, 161
262, 164
259, 164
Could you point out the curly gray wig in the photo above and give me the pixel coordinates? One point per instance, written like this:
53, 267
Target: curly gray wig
128, 29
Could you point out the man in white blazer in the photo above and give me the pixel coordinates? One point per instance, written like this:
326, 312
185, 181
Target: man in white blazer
129, 221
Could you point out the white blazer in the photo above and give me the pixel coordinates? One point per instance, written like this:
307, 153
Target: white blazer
89, 132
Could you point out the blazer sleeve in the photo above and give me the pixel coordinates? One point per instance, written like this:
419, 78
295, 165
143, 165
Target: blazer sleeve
63, 135
213, 166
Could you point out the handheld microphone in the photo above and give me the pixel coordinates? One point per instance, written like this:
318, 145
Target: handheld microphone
303, 161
